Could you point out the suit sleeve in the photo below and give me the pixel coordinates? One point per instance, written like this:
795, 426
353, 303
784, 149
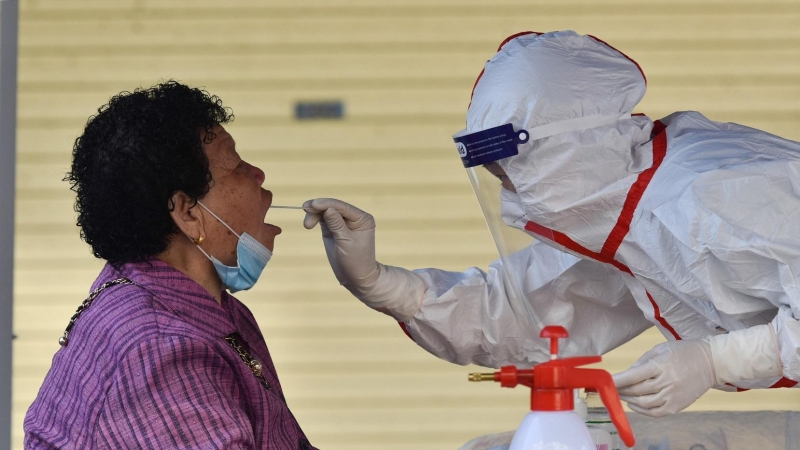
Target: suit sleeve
468, 317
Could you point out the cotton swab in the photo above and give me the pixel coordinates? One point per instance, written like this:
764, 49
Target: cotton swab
286, 207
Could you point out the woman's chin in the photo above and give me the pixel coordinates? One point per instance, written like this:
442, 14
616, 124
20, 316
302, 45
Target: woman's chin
268, 234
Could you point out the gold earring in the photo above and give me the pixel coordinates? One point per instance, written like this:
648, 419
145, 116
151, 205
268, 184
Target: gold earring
199, 240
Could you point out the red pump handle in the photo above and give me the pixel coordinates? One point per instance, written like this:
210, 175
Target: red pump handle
584, 378
604, 383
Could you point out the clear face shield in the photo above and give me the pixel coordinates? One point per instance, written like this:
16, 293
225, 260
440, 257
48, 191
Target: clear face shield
501, 208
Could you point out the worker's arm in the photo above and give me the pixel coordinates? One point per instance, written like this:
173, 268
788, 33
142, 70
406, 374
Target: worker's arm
767, 355
467, 317
743, 251
673, 375
739, 242
348, 234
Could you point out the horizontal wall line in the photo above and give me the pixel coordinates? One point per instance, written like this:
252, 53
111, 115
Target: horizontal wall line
385, 48
305, 85
392, 120
167, 14
284, 155
386, 224
385, 120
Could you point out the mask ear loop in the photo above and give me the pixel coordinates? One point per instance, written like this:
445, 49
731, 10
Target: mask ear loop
201, 249
211, 258
220, 220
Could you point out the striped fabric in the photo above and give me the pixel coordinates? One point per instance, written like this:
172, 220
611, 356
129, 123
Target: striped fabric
147, 366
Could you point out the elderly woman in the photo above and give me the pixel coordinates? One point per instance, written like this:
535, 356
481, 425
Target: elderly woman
160, 355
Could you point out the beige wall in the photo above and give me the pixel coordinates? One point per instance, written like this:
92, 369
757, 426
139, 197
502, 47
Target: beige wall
404, 70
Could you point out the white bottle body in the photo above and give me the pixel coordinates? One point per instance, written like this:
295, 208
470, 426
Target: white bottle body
601, 438
598, 417
552, 430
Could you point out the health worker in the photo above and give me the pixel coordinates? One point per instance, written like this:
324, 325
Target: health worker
607, 223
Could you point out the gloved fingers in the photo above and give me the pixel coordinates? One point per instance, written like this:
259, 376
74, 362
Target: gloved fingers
334, 221
659, 349
646, 387
311, 220
644, 401
319, 205
636, 374
312, 215
654, 412
356, 218
326, 232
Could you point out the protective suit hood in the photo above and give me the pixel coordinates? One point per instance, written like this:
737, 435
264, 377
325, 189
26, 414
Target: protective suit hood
570, 93
540, 79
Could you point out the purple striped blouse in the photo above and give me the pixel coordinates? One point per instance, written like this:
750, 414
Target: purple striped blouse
147, 366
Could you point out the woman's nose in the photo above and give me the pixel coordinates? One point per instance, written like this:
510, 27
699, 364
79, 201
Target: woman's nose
258, 174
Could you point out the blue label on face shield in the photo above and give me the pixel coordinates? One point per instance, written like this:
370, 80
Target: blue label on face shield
489, 145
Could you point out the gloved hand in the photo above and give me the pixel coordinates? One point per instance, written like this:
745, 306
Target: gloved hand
348, 234
668, 378
673, 375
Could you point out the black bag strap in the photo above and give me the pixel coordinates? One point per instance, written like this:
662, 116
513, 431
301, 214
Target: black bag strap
64, 340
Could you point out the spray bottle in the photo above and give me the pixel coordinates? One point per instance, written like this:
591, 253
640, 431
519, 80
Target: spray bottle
602, 439
597, 416
552, 423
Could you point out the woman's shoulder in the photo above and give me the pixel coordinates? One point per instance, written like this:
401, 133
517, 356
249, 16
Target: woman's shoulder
120, 316
152, 299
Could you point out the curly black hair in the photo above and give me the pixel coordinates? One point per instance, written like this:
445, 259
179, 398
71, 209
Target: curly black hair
134, 154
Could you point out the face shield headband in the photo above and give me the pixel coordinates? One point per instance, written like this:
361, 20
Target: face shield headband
483, 147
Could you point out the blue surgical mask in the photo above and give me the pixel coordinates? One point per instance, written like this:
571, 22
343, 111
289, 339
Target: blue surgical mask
251, 255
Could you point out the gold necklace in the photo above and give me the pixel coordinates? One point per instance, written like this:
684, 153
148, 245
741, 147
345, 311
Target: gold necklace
253, 364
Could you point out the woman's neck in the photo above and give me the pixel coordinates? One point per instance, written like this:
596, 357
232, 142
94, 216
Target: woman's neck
190, 261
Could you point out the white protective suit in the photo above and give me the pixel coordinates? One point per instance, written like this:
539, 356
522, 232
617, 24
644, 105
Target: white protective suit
694, 223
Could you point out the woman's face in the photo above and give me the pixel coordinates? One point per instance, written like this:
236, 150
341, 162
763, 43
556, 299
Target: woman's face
236, 196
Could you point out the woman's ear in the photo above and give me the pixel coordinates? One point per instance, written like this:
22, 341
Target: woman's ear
186, 216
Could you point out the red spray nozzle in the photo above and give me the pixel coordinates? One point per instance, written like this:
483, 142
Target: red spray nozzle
508, 376
552, 383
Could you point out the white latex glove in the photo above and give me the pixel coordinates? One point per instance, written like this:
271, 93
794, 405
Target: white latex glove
668, 378
348, 234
